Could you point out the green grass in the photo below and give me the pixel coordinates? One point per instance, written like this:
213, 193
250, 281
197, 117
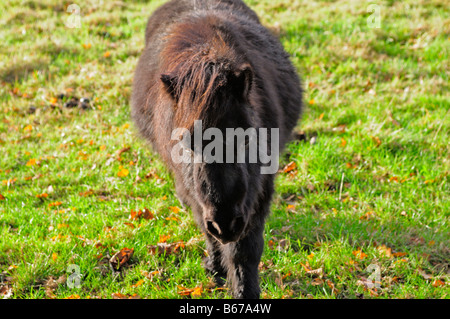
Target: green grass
372, 190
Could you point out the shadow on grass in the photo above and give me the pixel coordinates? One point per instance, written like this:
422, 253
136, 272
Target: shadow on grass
19, 72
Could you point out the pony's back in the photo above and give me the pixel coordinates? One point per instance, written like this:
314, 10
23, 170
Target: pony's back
276, 94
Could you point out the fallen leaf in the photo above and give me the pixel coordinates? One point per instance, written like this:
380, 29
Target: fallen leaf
366, 283
315, 272
424, 274
54, 256
366, 216
306, 267
399, 254
121, 258
197, 292
54, 204
290, 207
130, 225
331, 285
359, 254
317, 282
6, 292
123, 172
51, 284
86, 193
283, 245
193, 292
343, 143
144, 213
31, 162
174, 209
12, 267
139, 283
166, 249
384, 250
2, 197
163, 238
290, 167
150, 275
438, 283
118, 295
393, 179
376, 140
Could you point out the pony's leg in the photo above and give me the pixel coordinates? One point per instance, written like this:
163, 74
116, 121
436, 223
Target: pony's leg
214, 262
242, 259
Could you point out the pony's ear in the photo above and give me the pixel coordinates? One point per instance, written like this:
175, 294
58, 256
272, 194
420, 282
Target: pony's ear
243, 79
170, 83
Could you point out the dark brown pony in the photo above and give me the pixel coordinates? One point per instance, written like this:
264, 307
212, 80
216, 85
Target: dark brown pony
212, 60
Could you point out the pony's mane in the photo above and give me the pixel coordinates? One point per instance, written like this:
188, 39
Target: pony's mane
199, 60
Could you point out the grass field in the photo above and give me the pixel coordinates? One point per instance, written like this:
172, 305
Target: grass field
363, 196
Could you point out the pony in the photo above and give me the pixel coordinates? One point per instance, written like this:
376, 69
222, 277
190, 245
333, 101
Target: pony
213, 61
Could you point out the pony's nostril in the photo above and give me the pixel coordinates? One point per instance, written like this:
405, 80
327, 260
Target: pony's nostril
213, 228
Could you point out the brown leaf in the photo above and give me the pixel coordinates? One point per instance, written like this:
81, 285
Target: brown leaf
366, 283
123, 150
331, 285
121, 258
399, 254
317, 282
366, 216
51, 284
118, 295
163, 248
438, 283
306, 267
139, 283
377, 140
145, 213
384, 250
150, 275
2, 197
358, 253
174, 209
6, 292
424, 274
193, 292
316, 272
283, 245
290, 167
163, 238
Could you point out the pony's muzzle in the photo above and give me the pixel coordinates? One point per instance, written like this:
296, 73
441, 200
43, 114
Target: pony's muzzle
227, 231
